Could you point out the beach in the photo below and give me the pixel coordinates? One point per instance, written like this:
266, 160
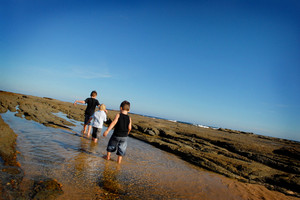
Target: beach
247, 165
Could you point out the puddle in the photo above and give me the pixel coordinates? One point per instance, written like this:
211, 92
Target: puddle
78, 164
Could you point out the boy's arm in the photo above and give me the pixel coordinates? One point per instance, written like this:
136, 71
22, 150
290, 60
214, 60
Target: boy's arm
129, 125
111, 126
78, 101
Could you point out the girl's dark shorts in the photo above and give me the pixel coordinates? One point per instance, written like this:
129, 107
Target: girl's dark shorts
96, 132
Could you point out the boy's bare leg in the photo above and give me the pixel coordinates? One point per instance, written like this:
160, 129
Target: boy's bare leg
108, 156
95, 140
119, 159
89, 130
84, 129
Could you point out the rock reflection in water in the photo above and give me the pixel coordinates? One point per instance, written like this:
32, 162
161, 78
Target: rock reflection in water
108, 180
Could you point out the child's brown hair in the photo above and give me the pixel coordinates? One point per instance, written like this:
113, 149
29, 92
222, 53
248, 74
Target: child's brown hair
125, 105
93, 93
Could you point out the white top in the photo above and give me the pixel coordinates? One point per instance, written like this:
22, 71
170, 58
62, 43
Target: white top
98, 118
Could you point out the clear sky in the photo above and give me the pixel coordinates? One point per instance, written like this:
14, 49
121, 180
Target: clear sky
232, 64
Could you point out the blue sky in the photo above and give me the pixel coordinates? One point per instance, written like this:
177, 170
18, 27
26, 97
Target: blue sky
232, 64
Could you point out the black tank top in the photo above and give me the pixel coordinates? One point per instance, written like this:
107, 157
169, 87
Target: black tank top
91, 105
121, 128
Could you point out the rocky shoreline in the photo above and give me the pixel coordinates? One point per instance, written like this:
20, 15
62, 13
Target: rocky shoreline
247, 157
11, 173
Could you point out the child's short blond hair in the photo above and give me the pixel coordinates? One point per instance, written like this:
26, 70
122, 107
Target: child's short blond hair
102, 107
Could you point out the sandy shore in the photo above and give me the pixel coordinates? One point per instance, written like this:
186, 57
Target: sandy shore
270, 162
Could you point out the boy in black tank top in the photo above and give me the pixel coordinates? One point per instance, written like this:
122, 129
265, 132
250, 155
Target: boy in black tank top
118, 140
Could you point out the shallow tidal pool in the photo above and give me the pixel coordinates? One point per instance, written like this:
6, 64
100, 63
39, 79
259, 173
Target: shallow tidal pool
78, 164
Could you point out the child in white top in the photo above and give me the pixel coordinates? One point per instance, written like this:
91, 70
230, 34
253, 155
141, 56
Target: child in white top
98, 118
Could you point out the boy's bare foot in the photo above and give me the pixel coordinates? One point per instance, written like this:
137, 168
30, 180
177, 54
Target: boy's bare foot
119, 159
82, 132
105, 157
108, 156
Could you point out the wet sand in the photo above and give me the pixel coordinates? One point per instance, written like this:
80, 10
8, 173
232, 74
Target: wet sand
155, 176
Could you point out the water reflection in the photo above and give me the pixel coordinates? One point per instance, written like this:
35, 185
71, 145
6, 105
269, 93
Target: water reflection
81, 158
109, 180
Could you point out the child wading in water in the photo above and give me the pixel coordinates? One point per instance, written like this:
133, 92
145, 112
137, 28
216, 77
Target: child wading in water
98, 118
89, 111
118, 140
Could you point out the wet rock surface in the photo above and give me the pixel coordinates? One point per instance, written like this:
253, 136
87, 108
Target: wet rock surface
10, 180
11, 174
8, 142
247, 157
46, 189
